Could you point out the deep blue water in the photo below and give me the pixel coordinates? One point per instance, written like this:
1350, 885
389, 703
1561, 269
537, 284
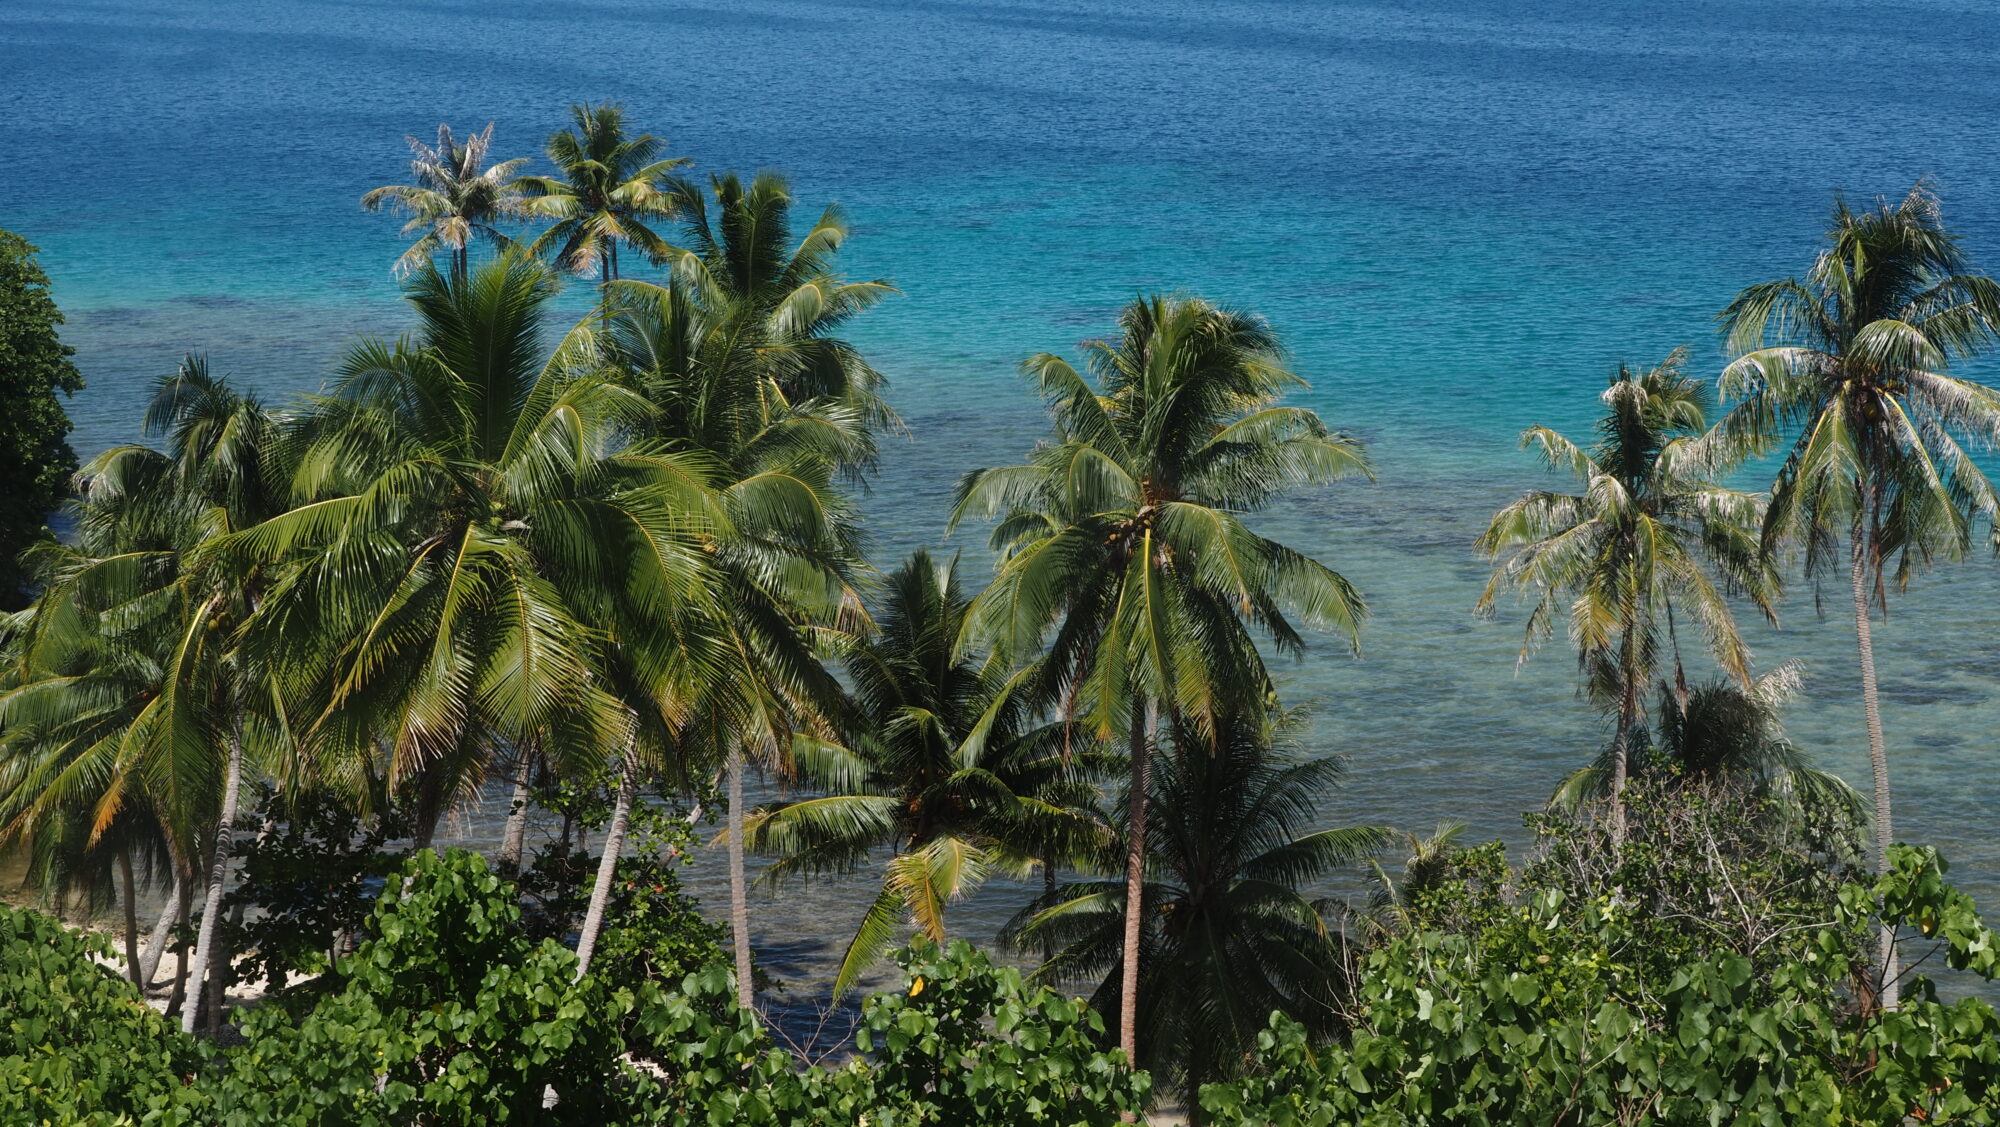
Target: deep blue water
1460, 214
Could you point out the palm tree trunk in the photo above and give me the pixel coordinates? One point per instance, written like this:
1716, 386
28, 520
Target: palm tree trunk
131, 917
156, 944
430, 809
1135, 876
607, 865
1628, 714
1048, 901
1878, 758
218, 875
513, 844
739, 895
176, 1000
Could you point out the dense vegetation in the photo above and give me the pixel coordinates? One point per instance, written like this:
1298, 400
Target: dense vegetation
612, 566
35, 458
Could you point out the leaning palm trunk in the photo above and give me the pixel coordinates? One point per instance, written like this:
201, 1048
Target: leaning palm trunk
607, 865
185, 912
739, 896
131, 917
1878, 758
218, 875
156, 943
1135, 879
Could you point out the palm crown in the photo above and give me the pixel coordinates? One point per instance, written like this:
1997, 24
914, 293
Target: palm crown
1124, 533
1860, 372
477, 537
610, 188
455, 199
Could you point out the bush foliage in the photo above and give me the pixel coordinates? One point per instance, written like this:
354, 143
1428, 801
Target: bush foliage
449, 1012
77, 1043
1552, 1012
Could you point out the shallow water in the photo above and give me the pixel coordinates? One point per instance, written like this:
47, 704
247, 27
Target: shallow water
1461, 214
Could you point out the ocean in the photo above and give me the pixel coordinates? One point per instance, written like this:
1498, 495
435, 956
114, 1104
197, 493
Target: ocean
1461, 215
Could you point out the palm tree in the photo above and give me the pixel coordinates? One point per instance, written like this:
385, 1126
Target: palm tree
454, 199
1854, 360
1123, 538
740, 355
479, 558
946, 770
609, 188
1229, 932
65, 804
1648, 532
151, 613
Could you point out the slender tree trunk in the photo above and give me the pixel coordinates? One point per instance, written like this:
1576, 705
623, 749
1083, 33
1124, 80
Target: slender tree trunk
156, 944
430, 809
218, 874
131, 917
739, 893
513, 845
1048, 901
1135, 876
607, 865
607, 272
220, 972
1878, 757
215, 987
1621, 743
176, 1000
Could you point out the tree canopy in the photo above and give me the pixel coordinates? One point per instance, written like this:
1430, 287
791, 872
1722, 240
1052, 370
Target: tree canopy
35, 458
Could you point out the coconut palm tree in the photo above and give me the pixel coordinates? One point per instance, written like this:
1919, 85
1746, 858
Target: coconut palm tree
740, 355
945, 770
1854, 361
608, 190
72, 805
1122, 540
1648, 533
1230, 932
454, 199
149, 604
480, 558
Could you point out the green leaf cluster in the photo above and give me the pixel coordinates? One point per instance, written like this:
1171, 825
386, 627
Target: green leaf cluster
77, 1043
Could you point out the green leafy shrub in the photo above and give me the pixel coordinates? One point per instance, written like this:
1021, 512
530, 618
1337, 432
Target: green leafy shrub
965, 1044
446, 1014
968, 1043
450, 1013
1553, 1014
77, 1043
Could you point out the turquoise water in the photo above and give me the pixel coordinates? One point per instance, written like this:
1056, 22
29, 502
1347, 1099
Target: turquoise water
1460, 214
